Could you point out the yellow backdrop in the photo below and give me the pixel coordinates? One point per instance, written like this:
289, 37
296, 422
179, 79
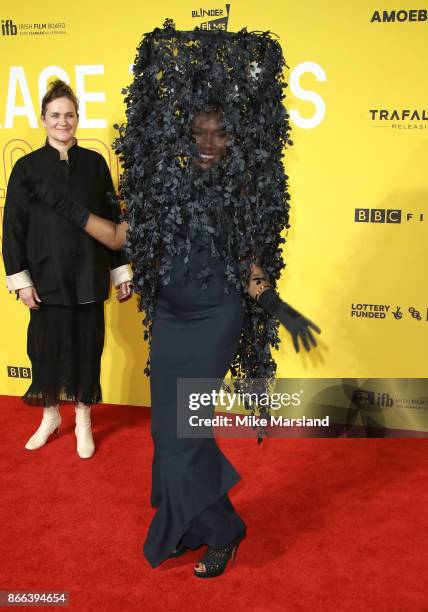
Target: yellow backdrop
356, 99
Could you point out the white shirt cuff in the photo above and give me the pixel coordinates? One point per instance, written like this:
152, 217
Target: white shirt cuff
20, 280
121, 274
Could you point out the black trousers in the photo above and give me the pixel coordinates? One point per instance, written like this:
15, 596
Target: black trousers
195, 335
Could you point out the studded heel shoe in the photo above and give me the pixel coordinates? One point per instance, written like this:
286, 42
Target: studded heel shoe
216, 559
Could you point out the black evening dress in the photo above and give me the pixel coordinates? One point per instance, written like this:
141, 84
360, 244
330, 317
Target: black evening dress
195, 335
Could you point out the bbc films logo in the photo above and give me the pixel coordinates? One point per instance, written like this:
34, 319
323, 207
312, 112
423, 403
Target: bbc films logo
45, 28
361, 310
385, 215
215, 18
399, 119
399, 16
18, 372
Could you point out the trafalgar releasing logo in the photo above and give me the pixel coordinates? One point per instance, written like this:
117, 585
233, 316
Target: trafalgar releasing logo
401, 119
385, 215
220, 21
399, 16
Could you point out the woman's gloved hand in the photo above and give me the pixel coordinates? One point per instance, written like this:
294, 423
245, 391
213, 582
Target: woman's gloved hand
298, 325
43, 191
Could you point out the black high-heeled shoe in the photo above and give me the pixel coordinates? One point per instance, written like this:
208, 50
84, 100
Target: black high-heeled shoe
216, 559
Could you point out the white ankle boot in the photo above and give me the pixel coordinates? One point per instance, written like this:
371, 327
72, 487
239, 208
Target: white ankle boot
50, 422
83, 431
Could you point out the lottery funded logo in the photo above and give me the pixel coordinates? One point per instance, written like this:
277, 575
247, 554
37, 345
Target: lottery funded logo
360, 310
369, 311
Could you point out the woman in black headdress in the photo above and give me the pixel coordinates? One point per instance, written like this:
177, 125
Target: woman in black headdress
205, 217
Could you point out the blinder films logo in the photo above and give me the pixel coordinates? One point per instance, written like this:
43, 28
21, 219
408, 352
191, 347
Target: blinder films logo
399, 16
385, 215
220, 21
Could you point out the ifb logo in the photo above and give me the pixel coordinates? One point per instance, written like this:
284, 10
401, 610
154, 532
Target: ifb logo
365, 399
8, 28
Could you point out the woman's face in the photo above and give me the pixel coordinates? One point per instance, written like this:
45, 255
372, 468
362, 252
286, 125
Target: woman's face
60, 121
211, 140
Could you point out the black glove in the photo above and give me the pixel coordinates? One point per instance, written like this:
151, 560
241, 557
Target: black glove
50, 195
293, 321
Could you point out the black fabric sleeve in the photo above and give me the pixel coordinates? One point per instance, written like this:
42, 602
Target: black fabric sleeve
15, 223
111, 211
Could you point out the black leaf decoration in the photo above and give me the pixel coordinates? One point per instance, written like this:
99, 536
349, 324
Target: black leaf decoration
239, 207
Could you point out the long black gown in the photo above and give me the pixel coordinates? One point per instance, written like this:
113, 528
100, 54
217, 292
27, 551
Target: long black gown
195, 335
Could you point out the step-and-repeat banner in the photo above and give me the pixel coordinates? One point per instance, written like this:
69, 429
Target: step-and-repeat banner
356, 250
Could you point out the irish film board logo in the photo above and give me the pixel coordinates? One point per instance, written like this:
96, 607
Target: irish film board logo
385, 215
18, 372
220, 21
8, 28
370, 399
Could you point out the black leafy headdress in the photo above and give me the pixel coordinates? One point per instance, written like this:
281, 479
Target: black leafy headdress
239, 207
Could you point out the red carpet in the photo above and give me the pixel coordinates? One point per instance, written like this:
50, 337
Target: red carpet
332, 524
